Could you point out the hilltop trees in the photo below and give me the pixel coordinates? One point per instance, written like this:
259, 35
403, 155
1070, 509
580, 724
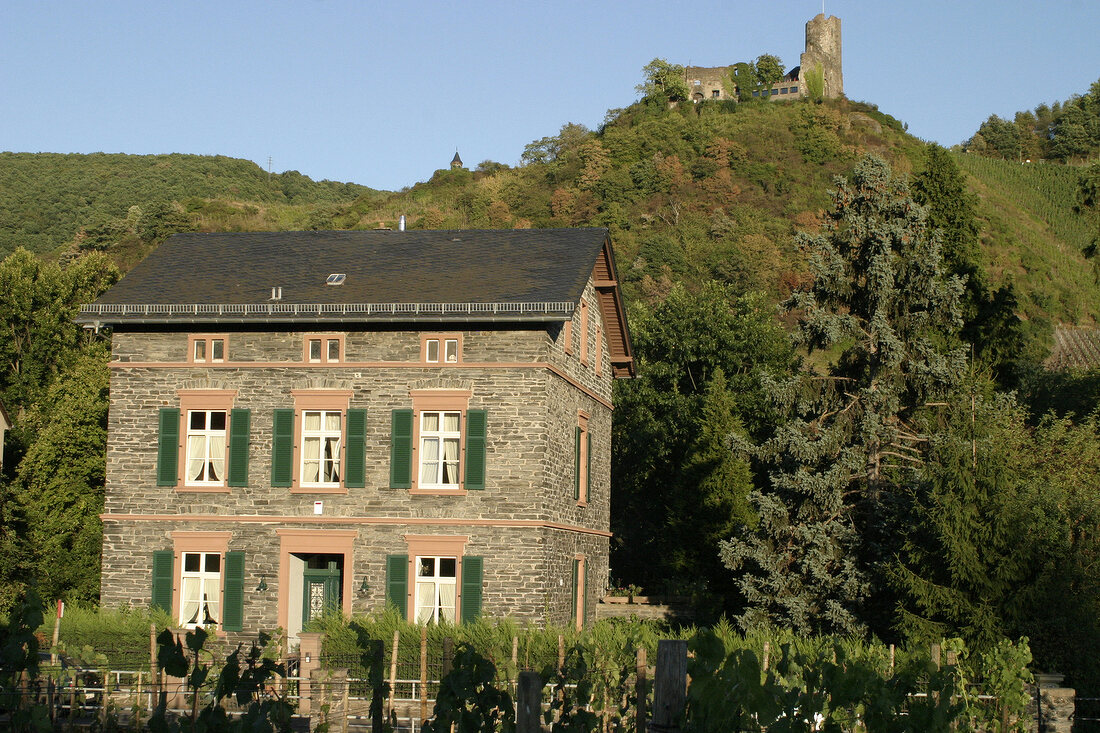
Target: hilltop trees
879, 295
664, 81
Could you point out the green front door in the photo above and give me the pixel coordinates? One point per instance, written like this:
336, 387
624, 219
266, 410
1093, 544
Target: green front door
322, 587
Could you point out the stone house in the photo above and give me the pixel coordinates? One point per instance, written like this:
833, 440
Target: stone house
310, 420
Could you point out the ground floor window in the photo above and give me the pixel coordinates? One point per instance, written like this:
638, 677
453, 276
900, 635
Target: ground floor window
200, 589
436, 589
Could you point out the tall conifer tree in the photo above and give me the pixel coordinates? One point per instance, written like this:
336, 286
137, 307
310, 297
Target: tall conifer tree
879, 296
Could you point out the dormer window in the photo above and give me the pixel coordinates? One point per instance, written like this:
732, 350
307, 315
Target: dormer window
441, 349
206, 349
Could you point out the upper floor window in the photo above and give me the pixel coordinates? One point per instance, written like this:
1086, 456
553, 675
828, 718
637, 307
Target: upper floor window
203, 445
322, 434
441, 348
439, 442
438, 446
582, 454
319, 446
206, 349
584, 333
206, 439
324, 348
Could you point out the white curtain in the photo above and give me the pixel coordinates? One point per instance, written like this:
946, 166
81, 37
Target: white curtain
447, 602
189, 601
212, 596
217, 460
311, 459
196, 456
429, 461
425, 602
450, 461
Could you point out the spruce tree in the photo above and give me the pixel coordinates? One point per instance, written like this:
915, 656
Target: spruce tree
968, 555
881, 299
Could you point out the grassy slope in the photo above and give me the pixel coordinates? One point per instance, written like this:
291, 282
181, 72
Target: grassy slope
1031, 236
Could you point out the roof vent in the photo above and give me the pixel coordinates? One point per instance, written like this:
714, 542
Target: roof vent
336, 278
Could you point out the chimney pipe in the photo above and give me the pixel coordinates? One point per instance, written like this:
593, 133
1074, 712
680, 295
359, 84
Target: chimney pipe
401, 223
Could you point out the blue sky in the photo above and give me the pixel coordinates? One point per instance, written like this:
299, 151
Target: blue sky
382, 93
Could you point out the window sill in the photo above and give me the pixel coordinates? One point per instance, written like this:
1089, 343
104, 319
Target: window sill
437, 491
582, 503
185, 489
318, 490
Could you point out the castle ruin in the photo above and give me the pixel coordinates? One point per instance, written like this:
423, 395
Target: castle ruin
822, 48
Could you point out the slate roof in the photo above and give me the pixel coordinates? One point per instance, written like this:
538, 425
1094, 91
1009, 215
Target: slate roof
524, 274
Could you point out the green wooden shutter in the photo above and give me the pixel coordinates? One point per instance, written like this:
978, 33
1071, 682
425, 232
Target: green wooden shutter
233, 593
163, 562
239, 424
168, 447
577, 463
282, 447
471, 588
355, 456
397, 583
475, 449
401, 435
588, 465
576, 589
582, 590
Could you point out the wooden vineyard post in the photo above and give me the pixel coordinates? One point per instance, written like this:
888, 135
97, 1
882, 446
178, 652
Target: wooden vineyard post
891, 660
529, 703
393, 669
640, 692
767, 652
104, 701
423, 674
515, 654
669, 686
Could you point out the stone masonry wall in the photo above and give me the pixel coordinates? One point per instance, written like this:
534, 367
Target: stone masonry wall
531, 415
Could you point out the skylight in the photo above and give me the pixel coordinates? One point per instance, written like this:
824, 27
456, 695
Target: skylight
336, 278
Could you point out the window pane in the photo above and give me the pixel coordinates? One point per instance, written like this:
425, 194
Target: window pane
447, 567
200, 350
430, 421
452, 350
315, 349
334, 350
217, 420
191, 561
432, 346
450, 422
213, 562
311, 449
426, 567
217, 349
332, 421
312, 421
198, 420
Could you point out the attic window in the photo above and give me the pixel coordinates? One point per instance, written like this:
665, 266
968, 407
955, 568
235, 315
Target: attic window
336, 278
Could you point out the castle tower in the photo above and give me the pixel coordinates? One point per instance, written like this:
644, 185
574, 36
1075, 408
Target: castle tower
456, 162
823, 47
